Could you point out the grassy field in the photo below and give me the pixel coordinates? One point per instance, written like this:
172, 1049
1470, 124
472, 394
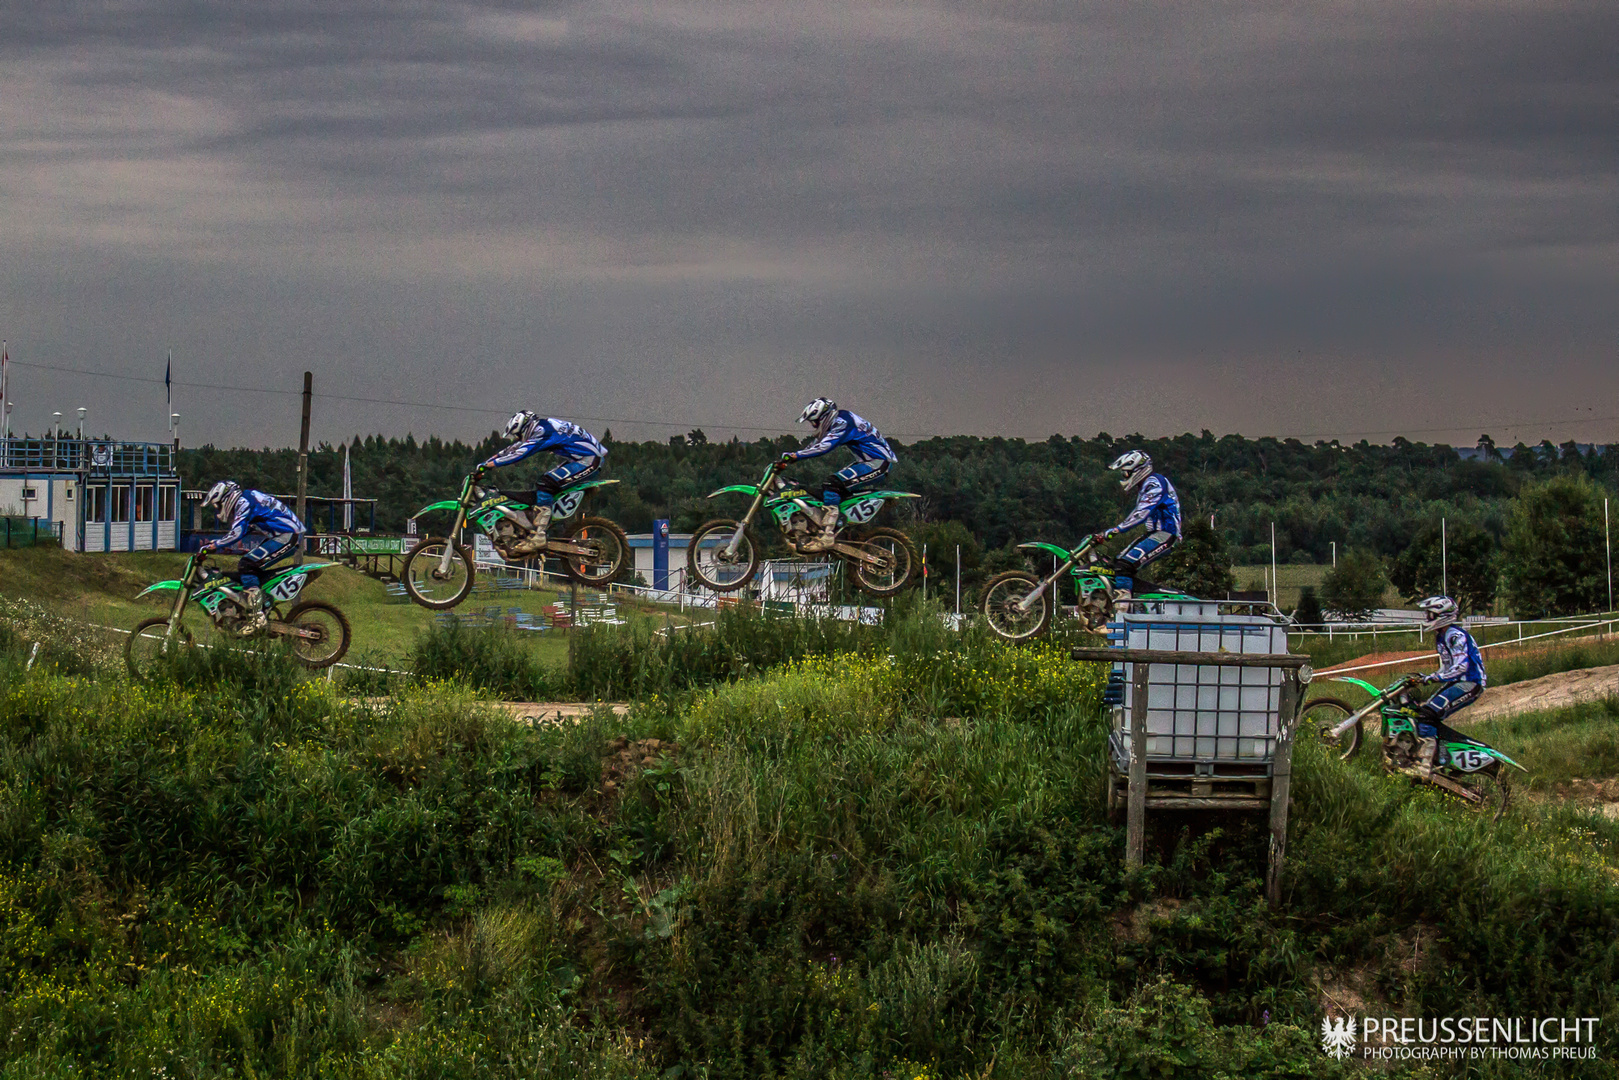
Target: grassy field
878, 854
1291, 577
101, 589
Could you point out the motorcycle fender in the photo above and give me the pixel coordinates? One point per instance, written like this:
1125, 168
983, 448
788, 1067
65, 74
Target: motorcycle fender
447, 504
1362, 683
888, 495
740, 489
158, 587
588, 484
1040, 545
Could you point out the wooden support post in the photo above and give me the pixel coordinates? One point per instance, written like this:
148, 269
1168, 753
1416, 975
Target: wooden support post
1281, 784
303, 456
1135, 842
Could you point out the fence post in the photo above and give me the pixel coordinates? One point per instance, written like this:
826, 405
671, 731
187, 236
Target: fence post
1135, 841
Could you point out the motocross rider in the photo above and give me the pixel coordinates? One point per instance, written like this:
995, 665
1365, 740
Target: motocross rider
1157, 507
276, 533
581, 455
1460, 675
873, 457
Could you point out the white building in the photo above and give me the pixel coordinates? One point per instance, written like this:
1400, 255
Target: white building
100, 494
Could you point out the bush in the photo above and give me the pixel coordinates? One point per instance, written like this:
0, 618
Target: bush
490, 658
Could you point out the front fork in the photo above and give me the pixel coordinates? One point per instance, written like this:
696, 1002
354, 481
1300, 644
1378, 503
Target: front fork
742, 525
180, 599
1028, 601
449, 545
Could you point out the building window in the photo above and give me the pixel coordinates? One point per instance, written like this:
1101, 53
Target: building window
95, 504
30, 493
120, 505
165, 503
143, 503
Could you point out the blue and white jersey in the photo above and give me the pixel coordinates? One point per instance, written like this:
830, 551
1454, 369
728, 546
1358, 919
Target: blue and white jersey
1157, 506
855, 432
566, 440
260, 513
1459, 657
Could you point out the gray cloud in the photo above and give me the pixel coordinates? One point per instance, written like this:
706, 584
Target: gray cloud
989, 217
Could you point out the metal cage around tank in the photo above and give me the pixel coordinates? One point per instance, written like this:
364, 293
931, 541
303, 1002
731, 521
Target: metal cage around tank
1205, 699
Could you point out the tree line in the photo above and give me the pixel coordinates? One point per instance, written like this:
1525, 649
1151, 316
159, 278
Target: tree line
1524, 524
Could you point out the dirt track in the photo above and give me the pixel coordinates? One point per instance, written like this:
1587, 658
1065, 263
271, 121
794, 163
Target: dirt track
555, 712
1557, 691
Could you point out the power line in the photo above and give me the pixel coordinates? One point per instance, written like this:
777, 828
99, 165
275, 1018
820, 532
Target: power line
666, 423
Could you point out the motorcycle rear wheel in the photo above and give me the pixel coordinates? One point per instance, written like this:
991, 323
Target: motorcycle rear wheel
612, 549
1001, 597
894, 548
708, 564
1324, 714
332, 628
423, 583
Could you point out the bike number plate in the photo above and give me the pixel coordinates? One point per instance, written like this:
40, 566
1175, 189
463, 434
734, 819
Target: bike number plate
1469, 760
567, 504
863, 511
289, 588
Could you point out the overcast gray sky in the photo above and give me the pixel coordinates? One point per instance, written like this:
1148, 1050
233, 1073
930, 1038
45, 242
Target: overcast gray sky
1019, 218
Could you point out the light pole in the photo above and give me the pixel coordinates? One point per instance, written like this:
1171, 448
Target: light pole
1334, 554
1444, 560
56, 425
82, 411
1607, 542
1275, 589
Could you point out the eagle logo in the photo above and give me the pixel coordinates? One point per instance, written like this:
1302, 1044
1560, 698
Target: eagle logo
1338, 1036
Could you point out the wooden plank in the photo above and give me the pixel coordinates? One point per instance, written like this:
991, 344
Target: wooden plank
1135, 842
1205, 659
1213, 802
1281, 787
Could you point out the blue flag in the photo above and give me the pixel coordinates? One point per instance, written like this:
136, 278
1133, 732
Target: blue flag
169, 390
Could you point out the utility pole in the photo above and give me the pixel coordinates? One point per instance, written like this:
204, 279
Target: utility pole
303, 455
1444, 560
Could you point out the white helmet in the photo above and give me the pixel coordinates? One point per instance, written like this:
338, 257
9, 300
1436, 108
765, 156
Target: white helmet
518, 427
817, 410
222, 497
1137, 467
1439, 612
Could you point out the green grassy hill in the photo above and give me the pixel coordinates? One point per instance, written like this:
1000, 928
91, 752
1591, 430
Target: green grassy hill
877, 855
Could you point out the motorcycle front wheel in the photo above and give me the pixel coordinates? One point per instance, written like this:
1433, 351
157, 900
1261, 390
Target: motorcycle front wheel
424, 582
323, 633
711, 567
1002, 595
1324, 714
611, 551
149, 645
887, 579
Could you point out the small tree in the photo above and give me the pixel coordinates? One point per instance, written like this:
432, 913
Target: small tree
1199, 566
1552, 562
1471, 574
1308, 613
1354, 587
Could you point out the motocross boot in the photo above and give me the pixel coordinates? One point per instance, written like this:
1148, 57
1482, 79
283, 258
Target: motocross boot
828, 534
534, 542
253, 604
1421, 762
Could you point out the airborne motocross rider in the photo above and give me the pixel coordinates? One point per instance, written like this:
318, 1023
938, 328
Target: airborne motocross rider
1157, 507
276, 532
581, 455
835, 427
1461, 675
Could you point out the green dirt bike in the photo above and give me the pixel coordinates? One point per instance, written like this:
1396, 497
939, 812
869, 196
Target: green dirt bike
1019, 605
1466, 767
438, 572
724, 554
318, 632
